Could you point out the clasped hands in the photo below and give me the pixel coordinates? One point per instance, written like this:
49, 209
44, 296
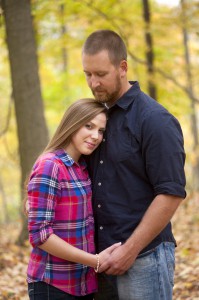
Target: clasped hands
116, 259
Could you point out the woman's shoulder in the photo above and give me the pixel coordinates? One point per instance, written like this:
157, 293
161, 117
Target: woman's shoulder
49, 158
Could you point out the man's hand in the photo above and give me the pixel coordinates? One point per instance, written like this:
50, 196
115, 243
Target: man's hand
119, 261
157, 216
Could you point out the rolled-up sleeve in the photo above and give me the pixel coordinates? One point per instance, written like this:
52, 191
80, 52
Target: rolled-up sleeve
43, 192
163, 149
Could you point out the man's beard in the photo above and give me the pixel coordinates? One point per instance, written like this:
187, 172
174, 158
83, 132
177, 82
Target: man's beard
108, 98
103, 98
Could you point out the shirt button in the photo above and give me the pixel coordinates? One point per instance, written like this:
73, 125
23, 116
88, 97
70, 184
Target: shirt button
101, 228
99, 183
99, 205
101, 161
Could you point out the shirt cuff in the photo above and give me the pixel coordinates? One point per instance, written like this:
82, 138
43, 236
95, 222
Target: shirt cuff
38, 238
170, 188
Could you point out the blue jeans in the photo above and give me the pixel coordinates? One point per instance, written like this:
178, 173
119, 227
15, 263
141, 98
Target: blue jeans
151, 277
43, 291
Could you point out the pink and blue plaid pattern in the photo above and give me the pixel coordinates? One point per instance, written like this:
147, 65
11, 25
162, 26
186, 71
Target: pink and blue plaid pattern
59, 196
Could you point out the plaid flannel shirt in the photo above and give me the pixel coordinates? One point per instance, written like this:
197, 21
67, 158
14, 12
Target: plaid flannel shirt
59, 197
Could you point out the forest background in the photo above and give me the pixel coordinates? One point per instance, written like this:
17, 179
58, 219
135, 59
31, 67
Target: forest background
41, 74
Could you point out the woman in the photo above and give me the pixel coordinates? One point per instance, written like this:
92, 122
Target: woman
60, 219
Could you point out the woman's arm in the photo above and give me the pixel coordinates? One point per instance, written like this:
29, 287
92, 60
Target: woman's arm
58, 247
43, 192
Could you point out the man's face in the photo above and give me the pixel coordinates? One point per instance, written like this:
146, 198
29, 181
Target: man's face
103, 78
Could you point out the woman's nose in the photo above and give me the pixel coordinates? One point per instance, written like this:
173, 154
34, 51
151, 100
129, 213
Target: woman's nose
95, 135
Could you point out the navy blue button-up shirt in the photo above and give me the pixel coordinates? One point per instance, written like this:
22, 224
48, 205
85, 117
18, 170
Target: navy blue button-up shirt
141, 156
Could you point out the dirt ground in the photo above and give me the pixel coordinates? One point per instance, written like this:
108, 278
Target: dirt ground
14, 259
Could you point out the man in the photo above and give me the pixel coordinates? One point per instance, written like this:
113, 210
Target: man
138, 178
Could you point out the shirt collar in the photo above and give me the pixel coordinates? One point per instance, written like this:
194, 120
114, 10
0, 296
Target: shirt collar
67, 159
129, 96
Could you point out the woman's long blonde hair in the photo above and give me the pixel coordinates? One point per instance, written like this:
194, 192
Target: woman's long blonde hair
76, 116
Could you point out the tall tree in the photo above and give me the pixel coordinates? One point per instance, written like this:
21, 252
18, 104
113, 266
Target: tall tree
190, 90
5, 214
63, 34
31, 126
149, 49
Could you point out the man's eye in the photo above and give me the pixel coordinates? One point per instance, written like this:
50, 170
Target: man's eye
88, 74
101, 74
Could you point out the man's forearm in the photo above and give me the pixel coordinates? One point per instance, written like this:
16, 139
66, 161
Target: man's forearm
154, 221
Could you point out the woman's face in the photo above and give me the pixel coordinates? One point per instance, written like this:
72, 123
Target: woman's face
87, 138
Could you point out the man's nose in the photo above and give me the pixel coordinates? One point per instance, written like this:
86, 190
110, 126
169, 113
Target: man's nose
94, 82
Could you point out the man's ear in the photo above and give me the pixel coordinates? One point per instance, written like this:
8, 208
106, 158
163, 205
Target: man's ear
123, 67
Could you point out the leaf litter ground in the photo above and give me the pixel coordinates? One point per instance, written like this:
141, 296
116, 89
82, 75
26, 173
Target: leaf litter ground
14, 259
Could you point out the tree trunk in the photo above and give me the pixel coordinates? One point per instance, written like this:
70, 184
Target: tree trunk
31, 126
5, 214
63, 35
149, 50
194, 124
